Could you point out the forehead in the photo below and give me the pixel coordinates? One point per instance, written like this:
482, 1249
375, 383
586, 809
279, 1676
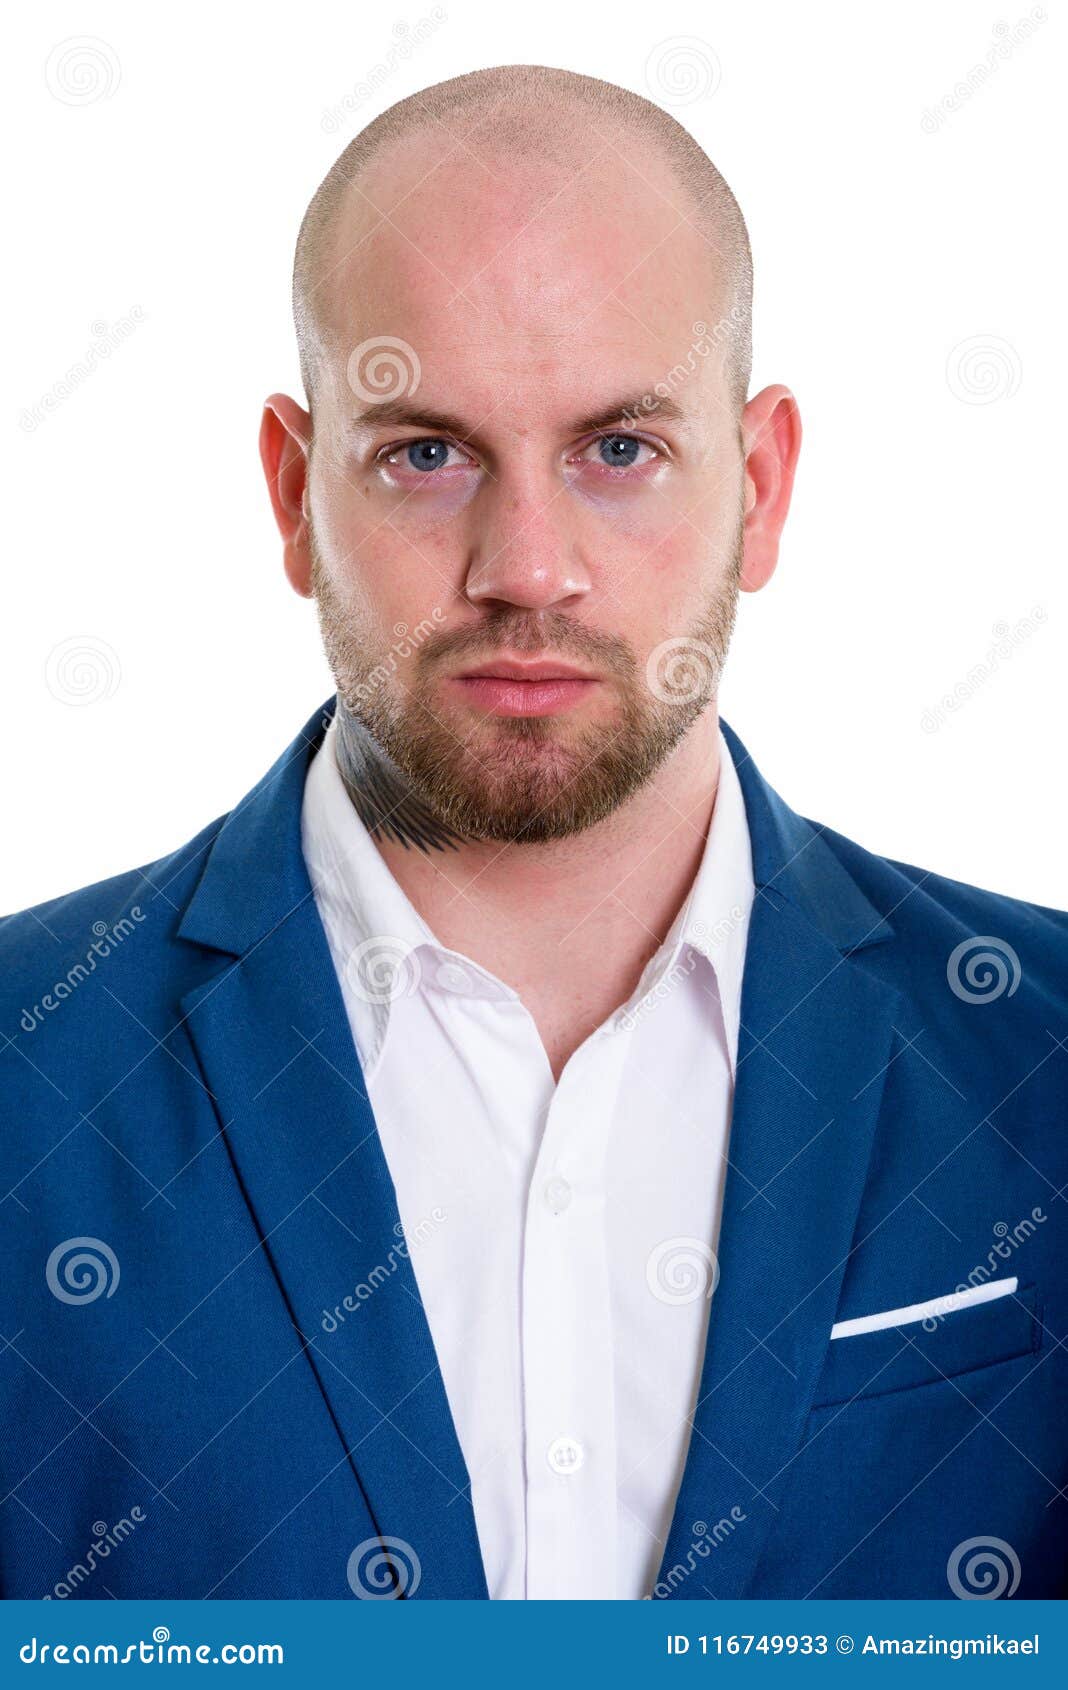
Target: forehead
548, 276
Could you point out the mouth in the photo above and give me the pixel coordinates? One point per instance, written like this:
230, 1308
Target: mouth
504, 687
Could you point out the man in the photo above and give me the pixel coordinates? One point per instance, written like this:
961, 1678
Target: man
512, 1154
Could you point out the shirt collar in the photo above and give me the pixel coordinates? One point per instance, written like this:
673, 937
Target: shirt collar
714, 920
385, 950
379, 942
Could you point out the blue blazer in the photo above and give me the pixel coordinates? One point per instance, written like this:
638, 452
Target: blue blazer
191, 1175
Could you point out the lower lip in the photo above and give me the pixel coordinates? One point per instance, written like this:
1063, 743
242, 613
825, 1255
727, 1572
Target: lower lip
502, 696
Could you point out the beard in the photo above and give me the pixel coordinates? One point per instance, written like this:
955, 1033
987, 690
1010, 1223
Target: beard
519, 780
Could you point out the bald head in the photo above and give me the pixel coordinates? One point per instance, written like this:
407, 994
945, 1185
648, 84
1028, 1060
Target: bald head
550, 135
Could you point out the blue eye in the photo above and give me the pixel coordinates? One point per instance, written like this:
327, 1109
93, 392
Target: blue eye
427, 454
618, 450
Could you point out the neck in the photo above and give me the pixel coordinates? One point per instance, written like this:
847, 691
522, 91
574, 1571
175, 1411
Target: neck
581, 915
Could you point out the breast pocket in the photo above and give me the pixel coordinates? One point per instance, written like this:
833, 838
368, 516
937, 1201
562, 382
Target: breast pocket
870, 1364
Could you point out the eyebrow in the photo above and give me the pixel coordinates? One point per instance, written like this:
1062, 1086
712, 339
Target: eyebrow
402, 413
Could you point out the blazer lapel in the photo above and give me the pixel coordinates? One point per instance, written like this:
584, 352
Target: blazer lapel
816, 1037
271, 1034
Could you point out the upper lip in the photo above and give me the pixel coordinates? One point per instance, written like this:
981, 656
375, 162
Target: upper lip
506, 669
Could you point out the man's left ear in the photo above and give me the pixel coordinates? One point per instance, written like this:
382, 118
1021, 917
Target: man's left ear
285, 439
771, 432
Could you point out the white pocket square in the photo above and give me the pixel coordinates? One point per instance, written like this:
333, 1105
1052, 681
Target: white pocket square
925, 1311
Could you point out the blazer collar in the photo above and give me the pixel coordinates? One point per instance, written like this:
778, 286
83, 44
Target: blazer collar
792, 859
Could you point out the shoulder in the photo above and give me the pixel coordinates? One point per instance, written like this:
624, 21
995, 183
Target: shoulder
66, 964
955, 925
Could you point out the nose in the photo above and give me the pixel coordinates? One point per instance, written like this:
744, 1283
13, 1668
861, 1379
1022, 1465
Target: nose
525, 551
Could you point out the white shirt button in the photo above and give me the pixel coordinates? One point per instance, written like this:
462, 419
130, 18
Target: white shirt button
565, 1455
558, 1194
452, 978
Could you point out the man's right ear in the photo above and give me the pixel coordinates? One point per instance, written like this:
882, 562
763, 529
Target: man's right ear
285, 441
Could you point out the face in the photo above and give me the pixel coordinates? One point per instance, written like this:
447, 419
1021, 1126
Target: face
525, 507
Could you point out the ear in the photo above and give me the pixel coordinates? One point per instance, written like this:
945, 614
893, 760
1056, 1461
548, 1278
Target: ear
771, 435
285, 442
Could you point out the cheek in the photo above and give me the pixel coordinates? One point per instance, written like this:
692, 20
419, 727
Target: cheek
661, 579
387, 577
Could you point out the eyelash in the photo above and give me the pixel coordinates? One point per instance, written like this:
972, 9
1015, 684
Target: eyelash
389, 454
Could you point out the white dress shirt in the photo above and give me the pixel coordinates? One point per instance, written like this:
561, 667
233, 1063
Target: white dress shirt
562, 1234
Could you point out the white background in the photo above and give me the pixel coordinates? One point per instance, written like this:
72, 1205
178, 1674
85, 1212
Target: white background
908, 288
